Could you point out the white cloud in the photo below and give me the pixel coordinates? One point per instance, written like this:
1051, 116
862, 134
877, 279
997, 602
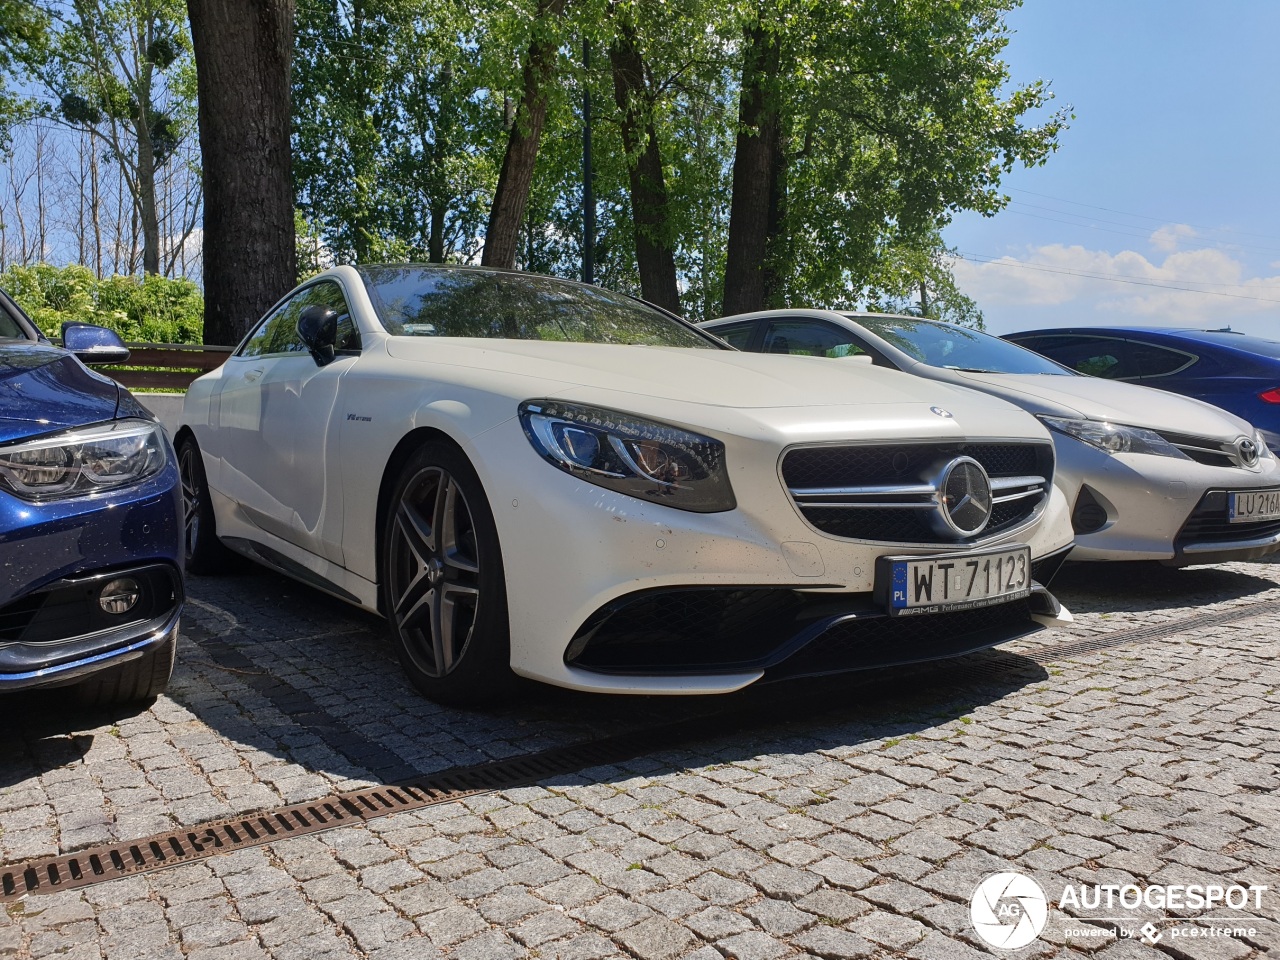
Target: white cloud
1168, 237
1078, 285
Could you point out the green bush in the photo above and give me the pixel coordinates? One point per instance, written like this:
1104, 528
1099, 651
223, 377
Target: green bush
145, 310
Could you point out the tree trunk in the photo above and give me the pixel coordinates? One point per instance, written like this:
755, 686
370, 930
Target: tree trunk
243, 52
754, 216
655, 258
147, 200
516, 178
435, 240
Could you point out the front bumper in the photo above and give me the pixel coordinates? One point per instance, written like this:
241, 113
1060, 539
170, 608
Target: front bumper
1143, 507
1208, 536
60, 634
55, 558
571, 549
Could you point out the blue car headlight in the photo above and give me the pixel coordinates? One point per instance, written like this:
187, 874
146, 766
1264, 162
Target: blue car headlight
83, 461
642, 458
1115, 438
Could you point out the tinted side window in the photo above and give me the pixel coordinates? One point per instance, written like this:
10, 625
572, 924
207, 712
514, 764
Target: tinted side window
1160, 361
278, 333
738, 335
1096, 356
809, 338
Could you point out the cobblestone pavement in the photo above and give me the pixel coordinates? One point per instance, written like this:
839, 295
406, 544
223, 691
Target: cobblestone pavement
846, 822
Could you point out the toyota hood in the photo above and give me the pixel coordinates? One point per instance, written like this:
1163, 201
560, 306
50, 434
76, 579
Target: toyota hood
1091, 398
44, 389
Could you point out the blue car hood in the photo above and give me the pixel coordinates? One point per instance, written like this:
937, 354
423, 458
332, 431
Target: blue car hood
44, 389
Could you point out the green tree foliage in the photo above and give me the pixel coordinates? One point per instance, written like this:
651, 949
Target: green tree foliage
917, 280
391, 129
886, 117
150, 309
24, 34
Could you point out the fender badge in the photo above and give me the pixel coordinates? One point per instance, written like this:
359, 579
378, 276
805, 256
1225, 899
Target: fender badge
938, 411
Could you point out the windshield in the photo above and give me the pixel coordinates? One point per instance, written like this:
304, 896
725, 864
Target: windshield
428, 301
958, 348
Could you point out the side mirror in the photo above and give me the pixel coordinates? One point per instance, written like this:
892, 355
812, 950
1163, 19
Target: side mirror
318, 328
94, 344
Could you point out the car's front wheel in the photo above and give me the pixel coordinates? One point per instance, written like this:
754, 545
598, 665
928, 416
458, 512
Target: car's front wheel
203, 552
443, 586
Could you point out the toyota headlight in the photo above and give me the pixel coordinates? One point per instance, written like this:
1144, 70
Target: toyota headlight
1115, 438
1264, 451
83, 461
641, 458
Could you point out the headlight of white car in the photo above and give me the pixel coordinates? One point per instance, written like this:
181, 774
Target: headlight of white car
84, 461
641, 458
1115, 438
1263, 450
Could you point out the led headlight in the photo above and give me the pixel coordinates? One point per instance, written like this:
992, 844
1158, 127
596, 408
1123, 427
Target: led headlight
83, 461
641, 458
1114, 438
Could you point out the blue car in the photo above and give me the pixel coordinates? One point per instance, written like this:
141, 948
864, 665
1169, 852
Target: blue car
1231, 370
91, 522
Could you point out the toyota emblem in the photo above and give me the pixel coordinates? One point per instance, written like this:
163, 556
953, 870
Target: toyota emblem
1248, 451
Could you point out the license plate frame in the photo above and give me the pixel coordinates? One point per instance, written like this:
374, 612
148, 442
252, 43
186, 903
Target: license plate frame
1270, 510
895, 582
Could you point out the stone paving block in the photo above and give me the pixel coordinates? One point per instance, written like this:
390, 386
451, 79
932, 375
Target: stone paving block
613, 913
722, 891
655, 939
832, 943
841, 873
716, 923
673, 904
888, 929
545, 926
785, 883
833, 905
778, 917
451, 924
753, 945
490, 945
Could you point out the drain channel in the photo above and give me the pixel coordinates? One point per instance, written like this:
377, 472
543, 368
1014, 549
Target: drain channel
1075, 648
130, 857
111, 861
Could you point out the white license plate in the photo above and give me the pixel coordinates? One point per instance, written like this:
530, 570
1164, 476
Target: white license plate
1247, 506
914, 585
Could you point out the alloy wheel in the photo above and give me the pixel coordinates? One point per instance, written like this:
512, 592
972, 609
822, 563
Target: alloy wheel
190, 499
434, 571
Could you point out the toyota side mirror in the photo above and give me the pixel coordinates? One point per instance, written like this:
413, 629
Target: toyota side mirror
94, 344
318, 328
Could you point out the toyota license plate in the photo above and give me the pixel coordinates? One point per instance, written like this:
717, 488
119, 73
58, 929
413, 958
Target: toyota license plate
965, 581
1248, 506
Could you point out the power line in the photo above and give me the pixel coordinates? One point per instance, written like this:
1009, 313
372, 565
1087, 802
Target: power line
1139, 216
1112, 278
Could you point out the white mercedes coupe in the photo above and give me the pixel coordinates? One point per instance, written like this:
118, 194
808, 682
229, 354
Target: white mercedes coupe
529, 476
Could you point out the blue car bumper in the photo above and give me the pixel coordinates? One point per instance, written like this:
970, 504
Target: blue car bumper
58, 558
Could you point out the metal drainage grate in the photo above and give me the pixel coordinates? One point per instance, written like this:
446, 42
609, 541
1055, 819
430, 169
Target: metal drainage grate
1075, 648
129, 857
126, 858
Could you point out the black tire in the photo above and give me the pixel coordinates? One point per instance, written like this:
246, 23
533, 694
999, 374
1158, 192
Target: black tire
204, 553
138, 680
443, 587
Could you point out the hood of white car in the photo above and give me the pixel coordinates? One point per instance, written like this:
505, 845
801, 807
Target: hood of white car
1092, 398
791, 399
710, 377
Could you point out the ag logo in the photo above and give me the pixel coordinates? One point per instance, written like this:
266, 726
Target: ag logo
1008, 910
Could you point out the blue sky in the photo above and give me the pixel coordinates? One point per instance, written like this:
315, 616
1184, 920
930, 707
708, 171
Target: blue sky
1167, 178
